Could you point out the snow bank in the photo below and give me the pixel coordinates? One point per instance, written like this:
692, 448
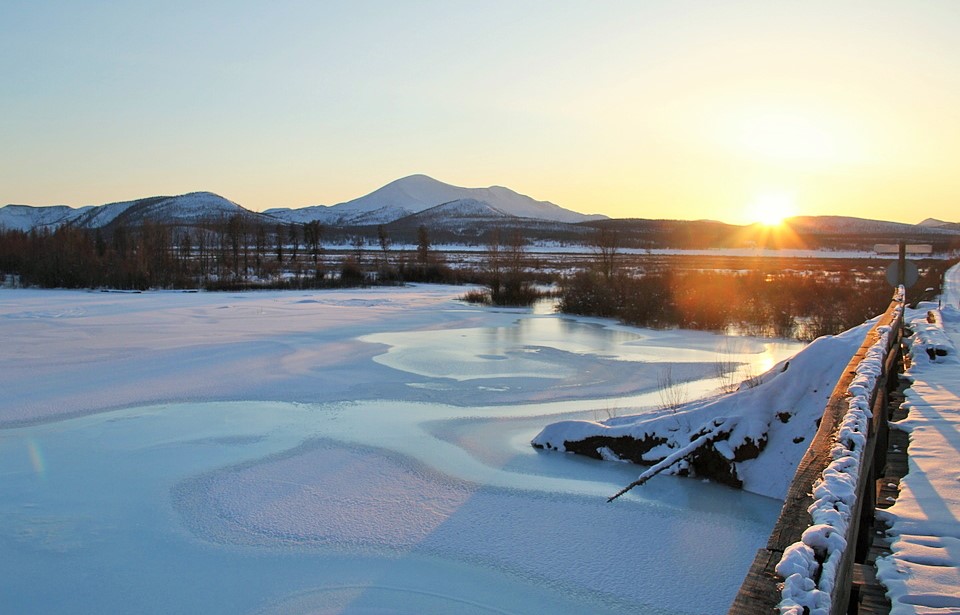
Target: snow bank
776, 413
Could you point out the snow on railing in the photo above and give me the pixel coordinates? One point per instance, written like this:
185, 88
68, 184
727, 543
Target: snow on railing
810, 567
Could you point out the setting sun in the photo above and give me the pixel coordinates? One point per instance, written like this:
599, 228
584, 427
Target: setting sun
772, 208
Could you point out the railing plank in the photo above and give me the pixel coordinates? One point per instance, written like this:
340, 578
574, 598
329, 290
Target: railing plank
760, 591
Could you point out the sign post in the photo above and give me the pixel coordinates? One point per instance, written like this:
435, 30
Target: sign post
903, 272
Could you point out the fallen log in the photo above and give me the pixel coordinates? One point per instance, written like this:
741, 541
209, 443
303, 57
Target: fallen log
673, 459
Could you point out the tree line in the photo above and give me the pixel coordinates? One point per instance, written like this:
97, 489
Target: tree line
236, 253
232, 253
786, 303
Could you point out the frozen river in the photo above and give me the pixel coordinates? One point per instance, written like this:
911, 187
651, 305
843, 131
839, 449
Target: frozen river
346, 452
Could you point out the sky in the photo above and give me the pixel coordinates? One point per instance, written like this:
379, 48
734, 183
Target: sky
683, 110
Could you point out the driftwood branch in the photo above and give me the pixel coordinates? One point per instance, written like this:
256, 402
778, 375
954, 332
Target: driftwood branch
670, 460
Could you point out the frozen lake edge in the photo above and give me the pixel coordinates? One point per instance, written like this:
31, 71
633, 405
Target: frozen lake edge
543, 503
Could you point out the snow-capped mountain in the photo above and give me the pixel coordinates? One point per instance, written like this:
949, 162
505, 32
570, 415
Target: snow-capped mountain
417, 193
392, 202
184, 209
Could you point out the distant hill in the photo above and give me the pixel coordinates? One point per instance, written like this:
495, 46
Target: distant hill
845, 225
26, 217
804, 232
416, 193
934, 223
469, 221
186, 209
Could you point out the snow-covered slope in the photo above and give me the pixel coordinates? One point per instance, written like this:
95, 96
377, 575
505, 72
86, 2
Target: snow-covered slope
417, 193
26, 217
102, 215
462, 209
184, 209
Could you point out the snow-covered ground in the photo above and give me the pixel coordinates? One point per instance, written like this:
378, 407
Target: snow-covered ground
923, 573
346, 452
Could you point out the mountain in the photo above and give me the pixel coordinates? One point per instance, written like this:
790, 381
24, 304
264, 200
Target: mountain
934, 223
479, 215
461, 210
26, 217
396, 200
417, 193
473, 222
185, 209
845, 225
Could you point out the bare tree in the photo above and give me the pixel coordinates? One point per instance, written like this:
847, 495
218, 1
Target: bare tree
278, 235
260, 249
312, 236
673, 394
358, 244
495, 265
423, 245
606, 244
294, 233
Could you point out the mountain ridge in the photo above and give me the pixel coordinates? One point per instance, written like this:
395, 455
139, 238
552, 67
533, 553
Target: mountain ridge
415, 193
851, 224
188, 208
421, 200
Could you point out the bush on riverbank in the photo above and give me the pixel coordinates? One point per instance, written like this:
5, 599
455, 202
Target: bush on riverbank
788, 304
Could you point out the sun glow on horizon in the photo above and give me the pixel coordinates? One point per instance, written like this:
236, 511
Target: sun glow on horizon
772, 208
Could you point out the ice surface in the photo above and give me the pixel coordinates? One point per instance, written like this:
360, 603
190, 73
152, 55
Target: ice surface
286, 452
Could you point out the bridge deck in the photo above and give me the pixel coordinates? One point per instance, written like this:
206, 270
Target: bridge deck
922, 573
871, 595
911, 551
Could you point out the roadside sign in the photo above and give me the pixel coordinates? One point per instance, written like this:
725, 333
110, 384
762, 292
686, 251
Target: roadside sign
910, 274
910, 248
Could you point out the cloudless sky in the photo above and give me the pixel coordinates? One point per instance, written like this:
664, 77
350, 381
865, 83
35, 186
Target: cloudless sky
654, 109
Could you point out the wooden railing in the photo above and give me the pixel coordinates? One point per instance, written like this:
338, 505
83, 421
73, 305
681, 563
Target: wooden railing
761, 590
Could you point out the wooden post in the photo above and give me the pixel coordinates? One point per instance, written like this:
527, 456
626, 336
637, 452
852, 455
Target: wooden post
902, 264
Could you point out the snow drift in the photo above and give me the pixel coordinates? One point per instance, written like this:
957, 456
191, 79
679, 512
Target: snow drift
775, 414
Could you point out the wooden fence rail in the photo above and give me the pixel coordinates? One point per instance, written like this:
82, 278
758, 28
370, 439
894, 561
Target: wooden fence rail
761, 589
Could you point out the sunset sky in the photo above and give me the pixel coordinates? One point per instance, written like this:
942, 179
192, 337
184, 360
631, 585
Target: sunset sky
667, 109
